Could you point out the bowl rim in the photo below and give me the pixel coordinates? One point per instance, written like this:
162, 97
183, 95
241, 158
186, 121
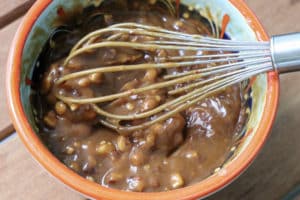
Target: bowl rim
94, 190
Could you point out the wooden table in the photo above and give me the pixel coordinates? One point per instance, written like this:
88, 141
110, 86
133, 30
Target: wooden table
275, 171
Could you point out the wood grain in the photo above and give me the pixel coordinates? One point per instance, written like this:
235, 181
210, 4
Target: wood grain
6, 131
6, 35
12, 10
278, 17
22, 177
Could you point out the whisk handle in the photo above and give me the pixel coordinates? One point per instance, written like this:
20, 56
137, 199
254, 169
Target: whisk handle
285, 51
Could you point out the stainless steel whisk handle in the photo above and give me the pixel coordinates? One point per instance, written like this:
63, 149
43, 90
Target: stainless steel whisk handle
285, 52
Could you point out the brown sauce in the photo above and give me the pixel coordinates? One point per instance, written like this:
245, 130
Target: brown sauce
178, 152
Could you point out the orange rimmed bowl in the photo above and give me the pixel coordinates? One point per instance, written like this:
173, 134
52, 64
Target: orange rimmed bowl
31, 37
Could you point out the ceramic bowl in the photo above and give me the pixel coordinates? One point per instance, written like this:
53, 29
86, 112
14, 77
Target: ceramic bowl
262, 98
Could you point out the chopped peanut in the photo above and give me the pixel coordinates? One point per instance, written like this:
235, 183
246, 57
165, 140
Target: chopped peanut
105, 148
95, 77
176, 181
74, 107
90, 178
137, 158
70, 150
50, 119
150, 75
60, 107
83, 82
122, 143
129, 106
191, 154
136, 184
75, 166
114, 177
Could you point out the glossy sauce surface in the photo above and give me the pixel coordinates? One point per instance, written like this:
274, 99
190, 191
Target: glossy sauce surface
175, 153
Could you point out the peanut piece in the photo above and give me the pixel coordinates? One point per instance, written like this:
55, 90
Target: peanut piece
83, 82
60, 108
121, 143
95, 77
176, 181
70, 150
50, 119
105, 148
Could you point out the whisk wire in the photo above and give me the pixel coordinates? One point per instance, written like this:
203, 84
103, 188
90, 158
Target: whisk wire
205, 91
221, 68
226, 62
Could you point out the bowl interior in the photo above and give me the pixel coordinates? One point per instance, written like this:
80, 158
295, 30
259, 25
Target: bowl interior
238, 29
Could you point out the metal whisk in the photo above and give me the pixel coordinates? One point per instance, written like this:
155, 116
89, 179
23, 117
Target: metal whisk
233, 62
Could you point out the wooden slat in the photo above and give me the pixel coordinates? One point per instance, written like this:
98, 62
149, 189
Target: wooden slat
6, 35
278, 17
12, 10
23, 178
6, 131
